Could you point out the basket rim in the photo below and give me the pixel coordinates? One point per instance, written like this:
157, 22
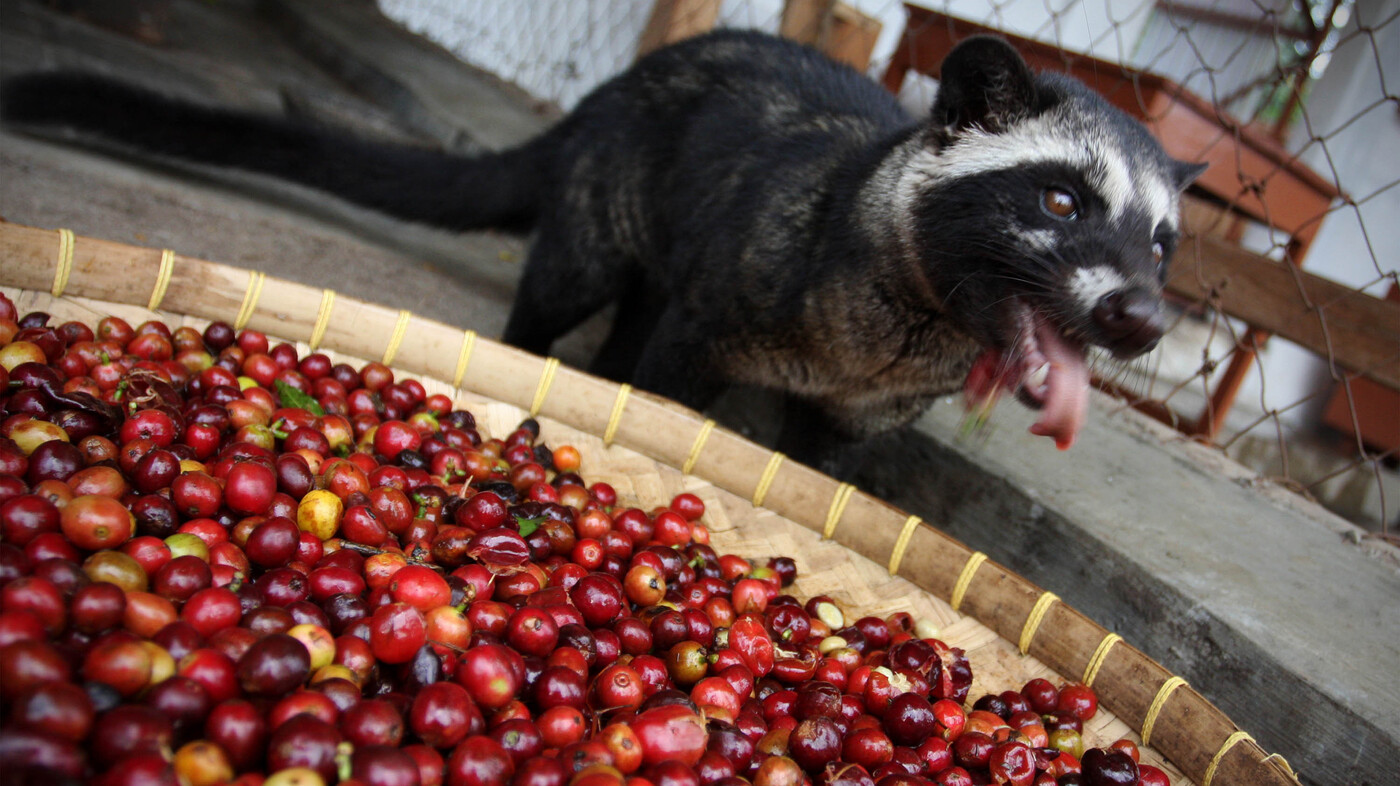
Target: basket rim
1187, 729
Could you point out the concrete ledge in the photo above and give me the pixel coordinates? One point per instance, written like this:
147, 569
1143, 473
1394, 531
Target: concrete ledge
415, 78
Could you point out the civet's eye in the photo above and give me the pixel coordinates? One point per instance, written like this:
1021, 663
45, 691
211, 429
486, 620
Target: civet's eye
1157, 254
1060, 204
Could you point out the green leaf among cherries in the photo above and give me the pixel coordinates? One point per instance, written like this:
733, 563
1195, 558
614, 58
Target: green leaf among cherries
292, 397
528, 524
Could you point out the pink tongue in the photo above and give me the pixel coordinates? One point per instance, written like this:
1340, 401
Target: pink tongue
1067, 388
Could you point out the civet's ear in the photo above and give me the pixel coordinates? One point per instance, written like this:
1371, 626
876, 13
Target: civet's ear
1184, 173
985, 83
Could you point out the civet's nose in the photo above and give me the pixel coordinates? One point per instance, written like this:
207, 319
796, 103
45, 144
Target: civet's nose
1130, 321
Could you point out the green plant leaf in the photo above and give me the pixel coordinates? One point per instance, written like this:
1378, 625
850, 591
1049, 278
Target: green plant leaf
292, 397
528, 525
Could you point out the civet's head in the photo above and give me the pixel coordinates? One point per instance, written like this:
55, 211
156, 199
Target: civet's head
1045, 217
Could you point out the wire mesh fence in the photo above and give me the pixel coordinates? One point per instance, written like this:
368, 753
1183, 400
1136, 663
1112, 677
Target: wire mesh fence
1285, 346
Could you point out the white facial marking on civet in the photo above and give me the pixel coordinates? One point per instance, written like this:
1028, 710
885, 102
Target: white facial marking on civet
977, 151
1088, 285
1041, 240
920, 169
1163, 201
1047, 139
1112, 180
1122, 186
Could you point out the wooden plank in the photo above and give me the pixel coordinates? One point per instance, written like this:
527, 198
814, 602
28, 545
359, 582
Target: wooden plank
805, 21
1375, 409
838, 29
1360, 332
852, 37
1249, 174
673, 20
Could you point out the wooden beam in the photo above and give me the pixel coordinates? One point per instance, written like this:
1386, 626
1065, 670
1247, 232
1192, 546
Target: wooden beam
838, 29
1367, 409
806, 21
1359, 332
1258, 23
852, 37
673, 20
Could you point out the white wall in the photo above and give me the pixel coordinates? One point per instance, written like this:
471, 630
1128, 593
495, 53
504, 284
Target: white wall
553, 49
560, 49
1349, 131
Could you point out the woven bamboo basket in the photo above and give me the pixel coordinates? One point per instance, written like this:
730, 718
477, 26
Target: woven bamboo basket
867, 554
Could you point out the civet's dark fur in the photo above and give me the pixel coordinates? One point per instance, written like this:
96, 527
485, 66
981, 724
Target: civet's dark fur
761, 214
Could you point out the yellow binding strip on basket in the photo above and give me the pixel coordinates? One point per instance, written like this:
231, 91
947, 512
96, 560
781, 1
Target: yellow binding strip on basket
1091, 672
1042, 605
697, 446
1288, 768
965, 578
167, 267
1158, 703
464, 355
838, 507
769, 472
400, 329
1230, 742
323, 318
65, 262
551, 365
250, 299
619, 404
902, 543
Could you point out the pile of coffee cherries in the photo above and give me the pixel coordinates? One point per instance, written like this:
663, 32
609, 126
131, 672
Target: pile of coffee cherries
222, 562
